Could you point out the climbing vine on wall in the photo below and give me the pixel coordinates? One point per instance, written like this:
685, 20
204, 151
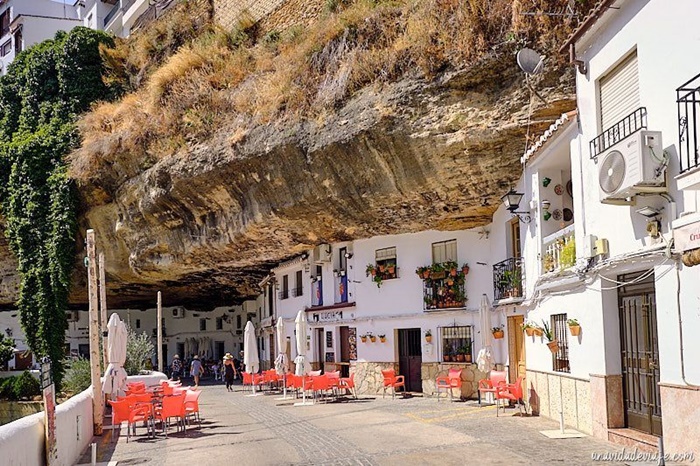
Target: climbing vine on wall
45, 89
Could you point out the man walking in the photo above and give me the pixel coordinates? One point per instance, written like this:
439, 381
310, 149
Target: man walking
196, 370
176, 368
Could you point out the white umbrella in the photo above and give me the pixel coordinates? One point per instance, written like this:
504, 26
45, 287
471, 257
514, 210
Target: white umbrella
115, 375
302, 365
281, 363
250, 351
485, 357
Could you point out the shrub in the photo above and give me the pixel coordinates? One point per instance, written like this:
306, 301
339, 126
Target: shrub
78, 375
139, 349
7, 350
26, 386
7, 388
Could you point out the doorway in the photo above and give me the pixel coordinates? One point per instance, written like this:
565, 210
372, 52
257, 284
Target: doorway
344, 352
639, 345
319, 348
180, 351
516, 348
411, 358
220, 350
165, 357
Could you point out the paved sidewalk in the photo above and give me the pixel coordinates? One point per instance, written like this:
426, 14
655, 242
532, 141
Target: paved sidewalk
244, 430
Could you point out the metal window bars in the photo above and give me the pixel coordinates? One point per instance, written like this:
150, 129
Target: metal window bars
635, 121
508, 279
688, 100
560, 359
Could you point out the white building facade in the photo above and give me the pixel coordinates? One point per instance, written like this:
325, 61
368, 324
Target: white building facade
24, 23
115, 16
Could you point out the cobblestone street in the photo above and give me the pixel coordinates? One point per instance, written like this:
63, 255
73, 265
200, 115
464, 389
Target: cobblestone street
264, 430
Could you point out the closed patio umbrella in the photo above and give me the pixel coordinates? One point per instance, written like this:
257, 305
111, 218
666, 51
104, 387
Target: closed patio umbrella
281, 363
250, 351
115, 375
485, 358
302, 365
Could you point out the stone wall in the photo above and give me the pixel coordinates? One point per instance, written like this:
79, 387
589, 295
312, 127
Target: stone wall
470, 378
368, 376
293, 13
229, 12
13, 410
547, 393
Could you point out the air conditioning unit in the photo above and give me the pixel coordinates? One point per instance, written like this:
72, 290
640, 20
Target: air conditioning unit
323, 253
179, 313
72, 316
634, 165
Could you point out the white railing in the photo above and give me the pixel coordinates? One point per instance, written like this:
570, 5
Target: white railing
559, 250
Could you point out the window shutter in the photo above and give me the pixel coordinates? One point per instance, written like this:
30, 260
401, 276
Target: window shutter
619, 92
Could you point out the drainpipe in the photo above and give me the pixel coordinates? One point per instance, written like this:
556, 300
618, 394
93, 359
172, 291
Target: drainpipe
680, 326
579, 64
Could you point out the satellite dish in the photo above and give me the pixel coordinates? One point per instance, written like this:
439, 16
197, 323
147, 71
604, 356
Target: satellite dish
530, 61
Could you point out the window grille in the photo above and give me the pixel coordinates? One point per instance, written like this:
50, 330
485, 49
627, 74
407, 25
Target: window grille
560, 359
386, 263
457, 343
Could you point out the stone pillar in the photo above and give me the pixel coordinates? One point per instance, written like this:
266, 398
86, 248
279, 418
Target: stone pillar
607, 411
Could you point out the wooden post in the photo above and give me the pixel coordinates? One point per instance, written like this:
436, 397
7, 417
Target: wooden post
160, 334
103, 309
95, 356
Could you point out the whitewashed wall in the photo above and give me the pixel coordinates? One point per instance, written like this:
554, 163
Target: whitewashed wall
22, 441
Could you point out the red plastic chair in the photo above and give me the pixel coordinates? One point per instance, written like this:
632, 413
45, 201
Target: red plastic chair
192, 405
124, 410
489, 385
393, 381
172, 406
320, 385
512, 392
349, 383
449, 383
247, 380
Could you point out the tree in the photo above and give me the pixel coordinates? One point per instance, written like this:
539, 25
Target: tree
7, 350
139, 349
46, 88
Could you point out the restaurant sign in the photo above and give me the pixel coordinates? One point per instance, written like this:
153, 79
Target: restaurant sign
327, 316
687, 237
49, 395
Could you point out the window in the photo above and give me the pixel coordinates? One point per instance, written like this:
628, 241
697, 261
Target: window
138, 323
445, 251
386, 263
298, 286
6, 48
219, 323
456, 343
238, 322
202, 325
560, 359
284, 294
5, 22
19, 46
619, 92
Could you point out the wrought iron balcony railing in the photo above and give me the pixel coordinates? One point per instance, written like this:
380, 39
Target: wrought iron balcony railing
508, 279
298, 291
284, 294
444, 293
688, 100
635, 121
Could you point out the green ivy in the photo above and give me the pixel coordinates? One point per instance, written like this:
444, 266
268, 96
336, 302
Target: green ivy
46, 88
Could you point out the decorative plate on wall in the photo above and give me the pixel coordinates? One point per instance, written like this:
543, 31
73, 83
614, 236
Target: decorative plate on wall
570, 189
559, 190
568, 215
556, 215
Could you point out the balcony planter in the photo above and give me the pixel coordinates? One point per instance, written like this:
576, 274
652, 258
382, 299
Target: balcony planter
391, 269
460, 358
553, 346
529, 331
447, 358
382, 338
468, 358
438, 275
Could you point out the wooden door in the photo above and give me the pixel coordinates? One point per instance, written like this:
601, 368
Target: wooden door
320, 354
23, 360
516, 348
345, 351
410, 358
639, 343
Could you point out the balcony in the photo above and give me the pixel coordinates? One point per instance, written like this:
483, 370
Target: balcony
284, 294
112, 13
508, 279
635, 121
298, 291
688, 101
443, 286
559, 251
341, 288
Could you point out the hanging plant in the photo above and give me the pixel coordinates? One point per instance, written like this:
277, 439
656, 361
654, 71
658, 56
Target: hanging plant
370, 270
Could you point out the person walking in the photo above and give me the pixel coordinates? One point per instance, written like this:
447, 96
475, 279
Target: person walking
176, 368
196, 370
230, 371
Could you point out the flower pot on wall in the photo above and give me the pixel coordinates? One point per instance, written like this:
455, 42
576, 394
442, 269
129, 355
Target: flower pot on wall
537, 332
382, 339
498, 335
575, 330
468, 357
553, 346
364, 339
428, 338
529, 331
373, 339
446, 358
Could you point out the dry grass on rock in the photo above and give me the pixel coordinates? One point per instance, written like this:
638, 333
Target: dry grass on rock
190, 79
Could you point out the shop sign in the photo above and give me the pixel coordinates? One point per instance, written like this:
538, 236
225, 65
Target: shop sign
687, 237
327, 316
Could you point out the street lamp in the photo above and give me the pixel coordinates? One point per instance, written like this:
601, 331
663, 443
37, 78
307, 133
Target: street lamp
511, 201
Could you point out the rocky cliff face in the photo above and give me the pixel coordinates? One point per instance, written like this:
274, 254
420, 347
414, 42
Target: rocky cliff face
206, 226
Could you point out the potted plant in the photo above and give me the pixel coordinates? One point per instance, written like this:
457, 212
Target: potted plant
548, 262
451, 266
497, 332
461, 352
465, 269
382, 338
391, 268
372, 338
529, 328
537, 331
567, 257
549, 335
437, 271
363, 338
574, 327
446, 357
370, 270
378, 280
428, 336
382, 268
